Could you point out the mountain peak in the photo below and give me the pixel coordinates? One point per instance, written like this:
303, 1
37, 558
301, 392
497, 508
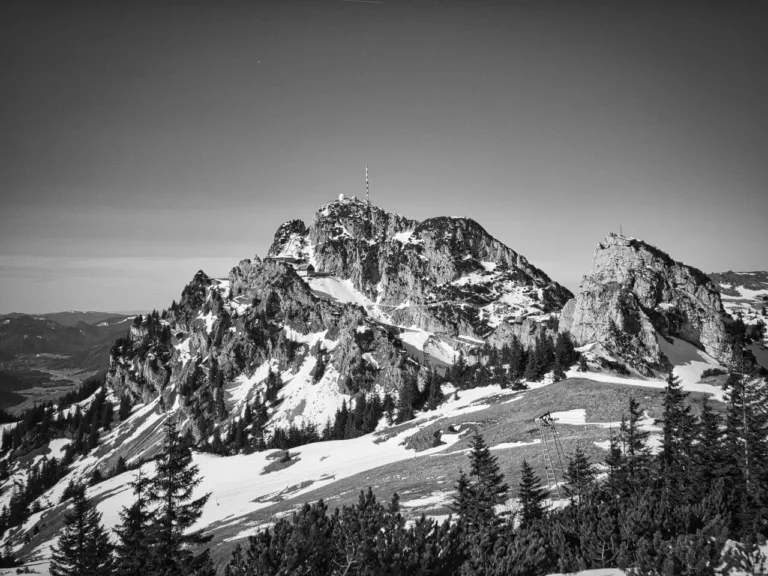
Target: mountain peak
636, 295
444, 274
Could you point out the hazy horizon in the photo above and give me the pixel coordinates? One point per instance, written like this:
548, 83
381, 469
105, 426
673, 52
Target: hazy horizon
144, 143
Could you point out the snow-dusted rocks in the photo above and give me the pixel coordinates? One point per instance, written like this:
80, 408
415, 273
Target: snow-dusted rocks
211, 354
635, 294
445, 275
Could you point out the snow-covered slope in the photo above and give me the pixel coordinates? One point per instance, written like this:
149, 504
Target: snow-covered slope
745, 296
243, 492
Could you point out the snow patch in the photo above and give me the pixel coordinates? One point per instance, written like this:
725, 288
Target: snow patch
435, 499
368, 357
574, 417
57, 447
307, 402
689, 362
403, 237
505, 445
241, 388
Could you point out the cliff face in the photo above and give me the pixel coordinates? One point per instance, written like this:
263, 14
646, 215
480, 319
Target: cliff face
633, 292
212, 353
446, 275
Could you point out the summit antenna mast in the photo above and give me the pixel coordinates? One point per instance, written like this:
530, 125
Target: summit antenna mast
367, 188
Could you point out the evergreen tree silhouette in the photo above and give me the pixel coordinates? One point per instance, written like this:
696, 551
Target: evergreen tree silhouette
709, 449
634, 445
133, 553
746, 445
171, 489
678, 435
83, 546
531, 495
478, 494
579, 476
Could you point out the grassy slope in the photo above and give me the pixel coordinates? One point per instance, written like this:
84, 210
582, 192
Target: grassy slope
504, 421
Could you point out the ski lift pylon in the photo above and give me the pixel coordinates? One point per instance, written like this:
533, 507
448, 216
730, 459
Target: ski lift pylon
552, 450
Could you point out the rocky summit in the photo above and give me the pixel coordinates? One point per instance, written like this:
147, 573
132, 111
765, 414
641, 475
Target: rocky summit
445, 275
636, 294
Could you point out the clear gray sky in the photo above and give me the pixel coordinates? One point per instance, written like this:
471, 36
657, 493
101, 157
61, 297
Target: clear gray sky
142, 141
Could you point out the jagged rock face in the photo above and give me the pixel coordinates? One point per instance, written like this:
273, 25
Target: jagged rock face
445, 275
527, 331
224, 331
641, 291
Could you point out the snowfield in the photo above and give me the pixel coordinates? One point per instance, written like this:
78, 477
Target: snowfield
338, 290
689, 362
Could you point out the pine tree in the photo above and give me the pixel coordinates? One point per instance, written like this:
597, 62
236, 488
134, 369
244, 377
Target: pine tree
133, 552
120, 467
83, 546
565, 354
534, 367
458, 370
409, 396
517, 360
479, 493
531, 495
96, 477
634, 444
579, 476
7, 559
709, 451
678, 432
746, 442
435, 392
171, 489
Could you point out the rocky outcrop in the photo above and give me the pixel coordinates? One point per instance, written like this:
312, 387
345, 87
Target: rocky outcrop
527, 331
446, 275
223, 331
635, 292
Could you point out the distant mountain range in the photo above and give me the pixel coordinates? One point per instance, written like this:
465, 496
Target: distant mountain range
59, 333
51, 349
74, 317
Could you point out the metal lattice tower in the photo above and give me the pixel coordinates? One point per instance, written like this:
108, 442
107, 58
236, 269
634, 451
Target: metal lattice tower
554, 455
367, 188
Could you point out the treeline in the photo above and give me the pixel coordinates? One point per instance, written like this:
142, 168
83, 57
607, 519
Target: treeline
6, 417
153, 536
509, 366
247, 433
41, 424
80, 393
668, 513
512, 365
158, 338
40, 479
